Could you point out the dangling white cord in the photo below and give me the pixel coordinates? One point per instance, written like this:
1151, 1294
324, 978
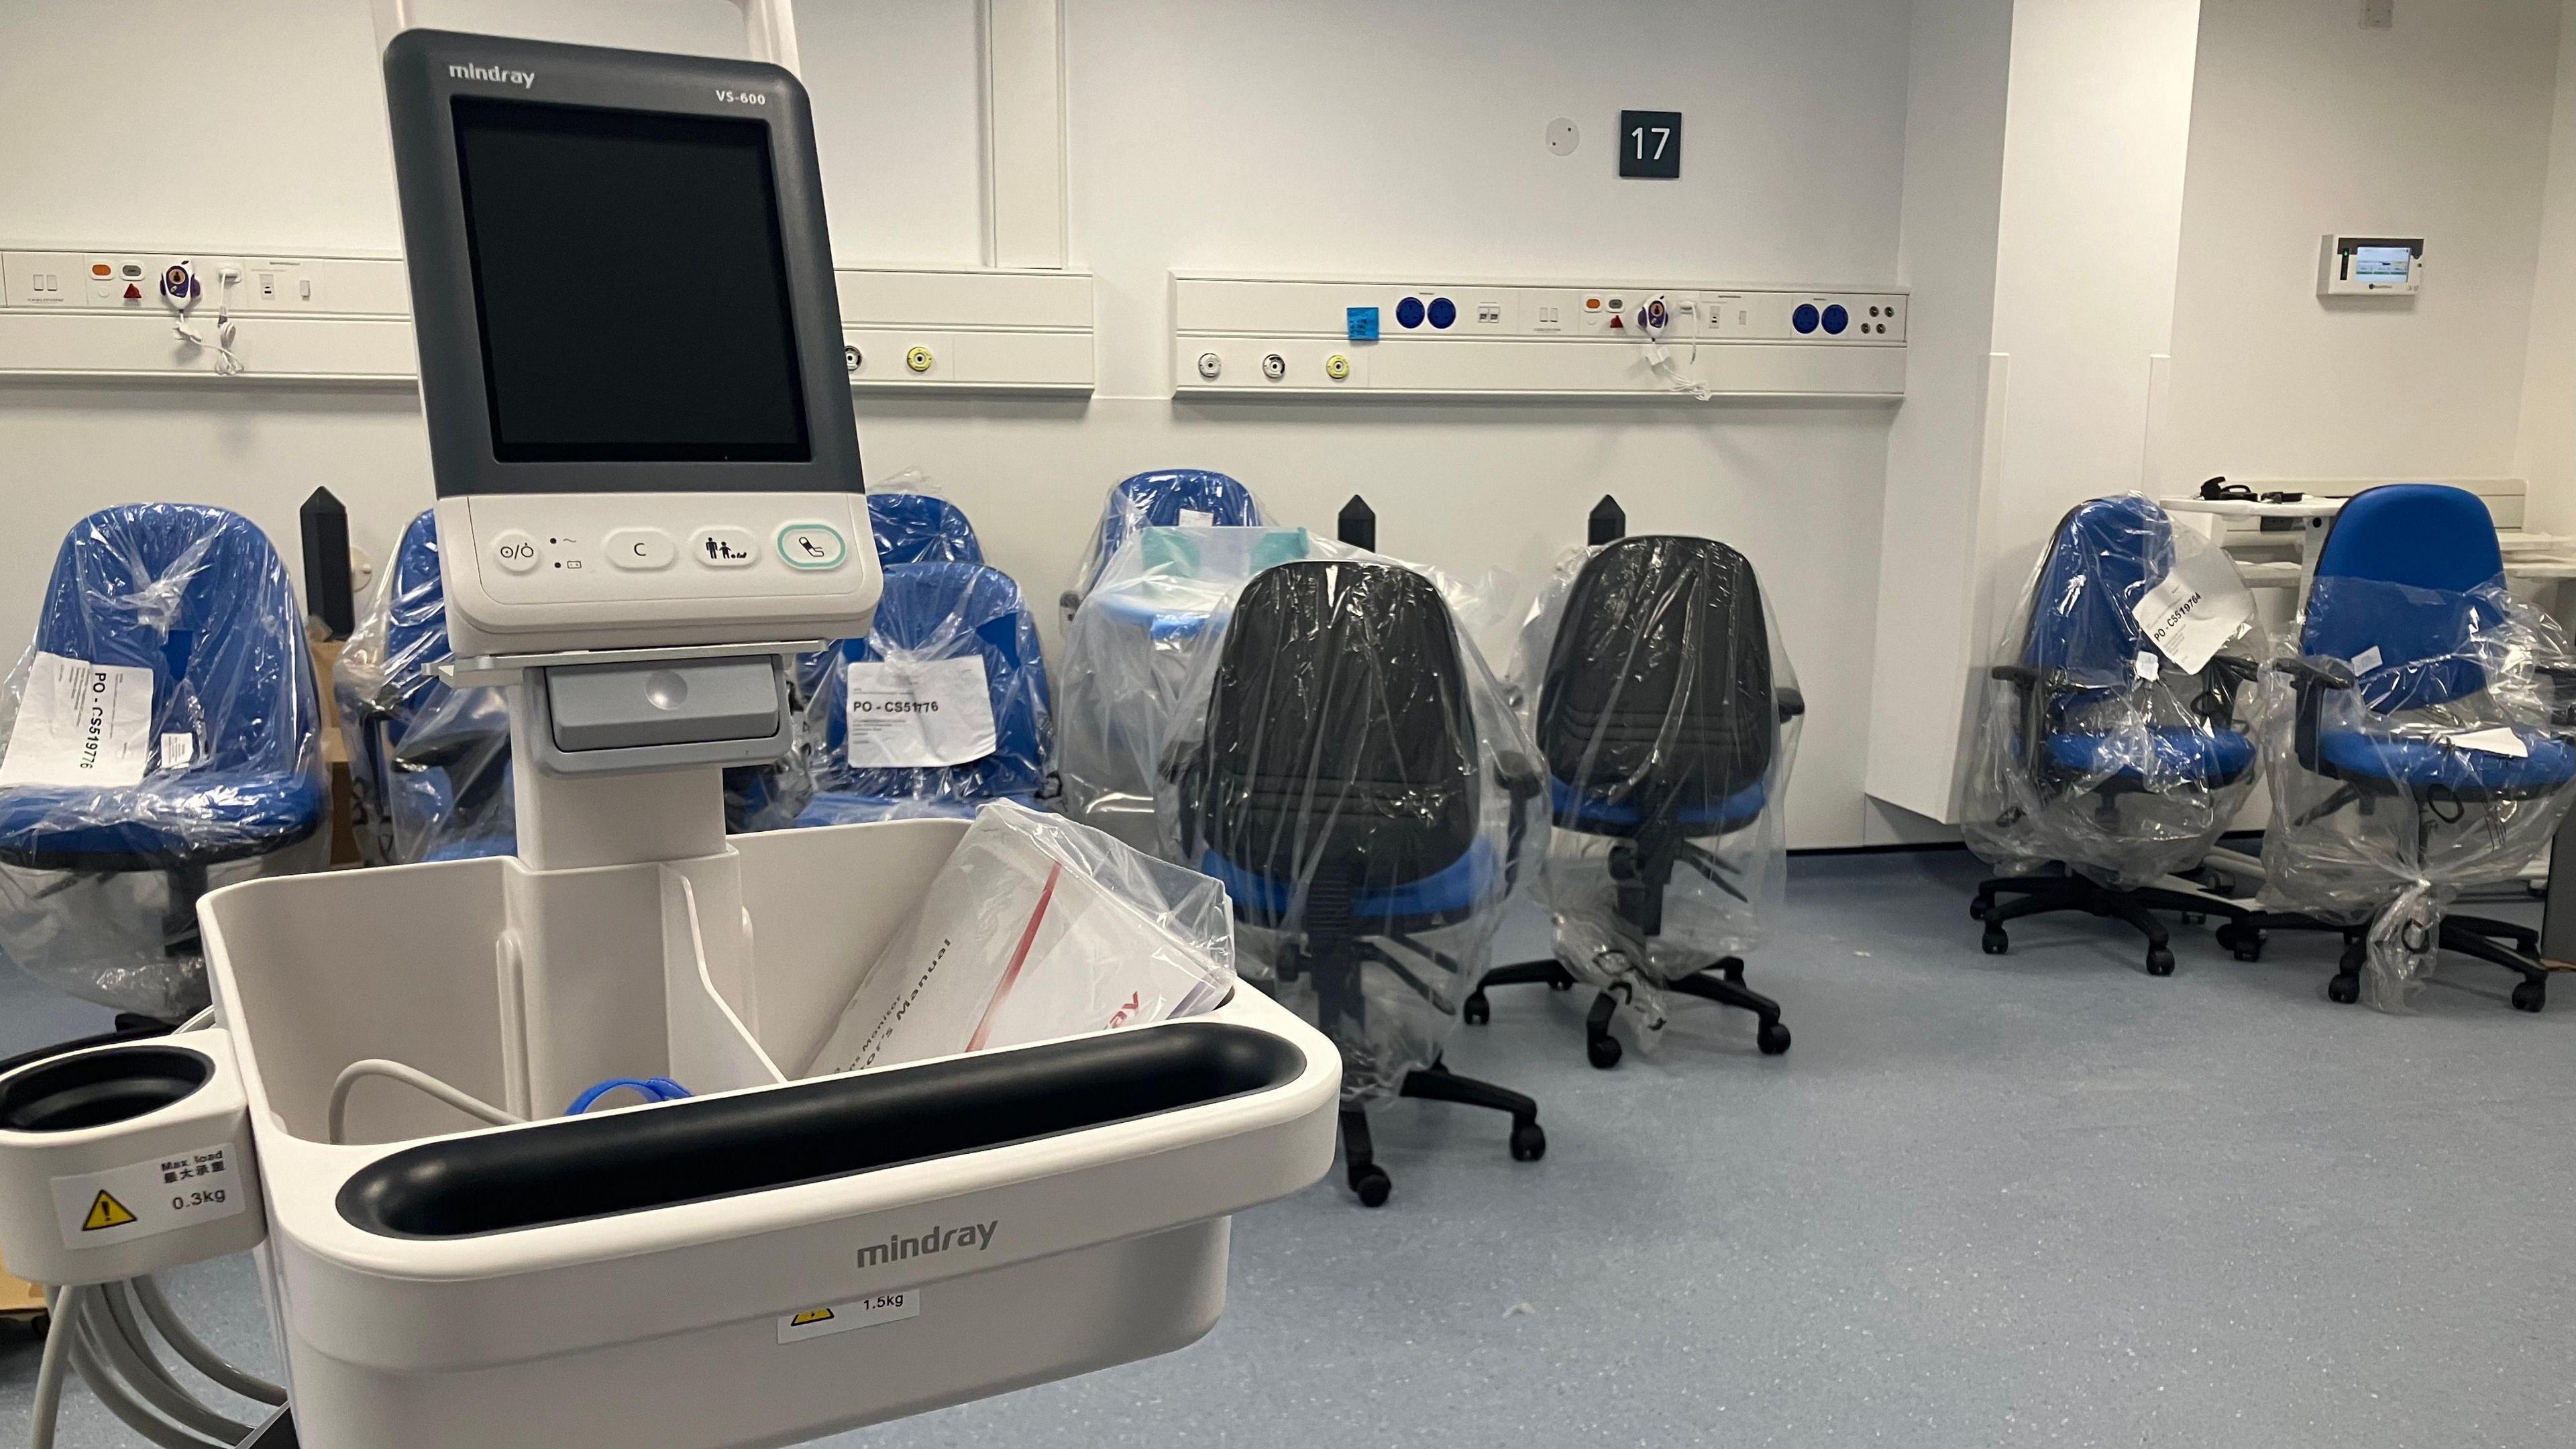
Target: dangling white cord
1662, 362
179, 288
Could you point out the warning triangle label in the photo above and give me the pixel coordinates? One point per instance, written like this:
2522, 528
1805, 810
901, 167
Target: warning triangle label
810, 1317
106, 1212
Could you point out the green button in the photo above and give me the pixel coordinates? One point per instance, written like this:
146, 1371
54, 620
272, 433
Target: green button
812, 546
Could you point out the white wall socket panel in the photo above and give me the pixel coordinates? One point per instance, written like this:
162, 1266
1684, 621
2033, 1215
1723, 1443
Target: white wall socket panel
1344, 336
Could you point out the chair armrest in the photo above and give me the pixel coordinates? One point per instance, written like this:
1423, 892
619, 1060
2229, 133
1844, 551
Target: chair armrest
1519, 774
1791, 703
2016, 674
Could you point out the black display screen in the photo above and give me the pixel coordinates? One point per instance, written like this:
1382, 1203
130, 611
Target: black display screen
630, 286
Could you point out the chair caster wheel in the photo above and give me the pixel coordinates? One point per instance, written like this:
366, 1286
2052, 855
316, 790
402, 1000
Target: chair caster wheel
1478, 1010
1529, 1142
1773, 1038
1372, 1184
1978, 906
2530, 995
2160, 961
1996, 942
1733, 970
2345, 988
1604, 1051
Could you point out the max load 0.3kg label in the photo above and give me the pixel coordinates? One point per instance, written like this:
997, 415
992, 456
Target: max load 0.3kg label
173, 1191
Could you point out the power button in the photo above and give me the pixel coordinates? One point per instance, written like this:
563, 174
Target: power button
812, 546
516, 552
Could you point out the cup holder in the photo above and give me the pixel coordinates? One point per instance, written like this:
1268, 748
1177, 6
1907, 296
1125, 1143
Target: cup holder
97, 1089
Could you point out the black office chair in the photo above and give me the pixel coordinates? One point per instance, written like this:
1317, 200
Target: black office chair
1667, 727
1366, 827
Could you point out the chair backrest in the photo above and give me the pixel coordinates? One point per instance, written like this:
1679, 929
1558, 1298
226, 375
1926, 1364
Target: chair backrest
921, 528
1170, 498
2397, 573
1658, 686
1340, 737
2105, 554
199, 596
949, 611
415, 614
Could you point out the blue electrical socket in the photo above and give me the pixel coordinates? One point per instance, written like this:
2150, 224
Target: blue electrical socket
1363, 323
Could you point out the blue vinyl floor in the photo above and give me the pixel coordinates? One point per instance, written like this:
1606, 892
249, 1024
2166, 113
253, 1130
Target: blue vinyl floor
2041, 1198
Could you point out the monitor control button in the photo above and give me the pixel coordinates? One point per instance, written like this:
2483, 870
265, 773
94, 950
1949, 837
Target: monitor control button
640, 548
725, 548
812, 546
516, 552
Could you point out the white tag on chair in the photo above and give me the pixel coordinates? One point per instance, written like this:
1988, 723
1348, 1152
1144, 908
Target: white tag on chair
81, 724
1197, 518
2148, 666
2365, 661
915, 713
2195, 610
2499, 740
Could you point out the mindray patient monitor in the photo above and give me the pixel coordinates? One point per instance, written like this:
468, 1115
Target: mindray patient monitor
648, 506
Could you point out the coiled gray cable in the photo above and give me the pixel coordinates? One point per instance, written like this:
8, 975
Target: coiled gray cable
198, 1354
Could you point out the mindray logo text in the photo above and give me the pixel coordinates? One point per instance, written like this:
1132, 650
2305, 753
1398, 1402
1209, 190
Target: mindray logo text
523, 79
978, 1236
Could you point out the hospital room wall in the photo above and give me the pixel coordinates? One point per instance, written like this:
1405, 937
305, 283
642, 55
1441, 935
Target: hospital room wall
1332, 136
2546, 451
2306, 123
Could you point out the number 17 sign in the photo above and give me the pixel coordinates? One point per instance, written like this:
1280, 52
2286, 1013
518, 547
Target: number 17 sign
1650, 144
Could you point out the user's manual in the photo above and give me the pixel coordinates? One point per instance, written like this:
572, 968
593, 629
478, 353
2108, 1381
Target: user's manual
1037, 928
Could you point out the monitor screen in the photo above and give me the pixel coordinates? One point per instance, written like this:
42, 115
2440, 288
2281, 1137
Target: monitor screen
630, 285
2381, 264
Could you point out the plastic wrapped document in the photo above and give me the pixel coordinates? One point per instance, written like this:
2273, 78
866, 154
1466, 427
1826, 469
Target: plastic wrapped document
1666, 714
1037, 928
2116, 734
2434, 757
1347, 766
160, 740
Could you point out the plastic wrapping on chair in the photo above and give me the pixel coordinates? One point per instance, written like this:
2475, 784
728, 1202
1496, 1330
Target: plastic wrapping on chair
1168, 498
429, 764
1348, 767
2116, 731
161, 739
1666, 717
942, 708
2419, 744
1129, 654
912, 523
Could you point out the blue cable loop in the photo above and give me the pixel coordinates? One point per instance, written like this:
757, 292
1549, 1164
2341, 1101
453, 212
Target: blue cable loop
653, 1089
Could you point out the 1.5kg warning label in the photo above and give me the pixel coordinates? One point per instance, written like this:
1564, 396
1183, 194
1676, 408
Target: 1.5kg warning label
865, 1312
163, 1195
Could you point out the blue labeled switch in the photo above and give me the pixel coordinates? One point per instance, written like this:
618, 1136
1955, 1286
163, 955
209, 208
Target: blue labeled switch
1363, 323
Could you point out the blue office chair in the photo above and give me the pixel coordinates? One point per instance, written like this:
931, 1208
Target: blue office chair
1339, 788
430, 765
2409, 586
198, 596
1169, 498
1665, 722
2106, 773
935, 611
921, 528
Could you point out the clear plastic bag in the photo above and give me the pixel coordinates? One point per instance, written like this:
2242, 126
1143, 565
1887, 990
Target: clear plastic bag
1130, 652
1345, 763
913, 522
1667, 715
1165, 498
2434, 758
161, 739
429, 764
941, 709
1037, 928
2117, 732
